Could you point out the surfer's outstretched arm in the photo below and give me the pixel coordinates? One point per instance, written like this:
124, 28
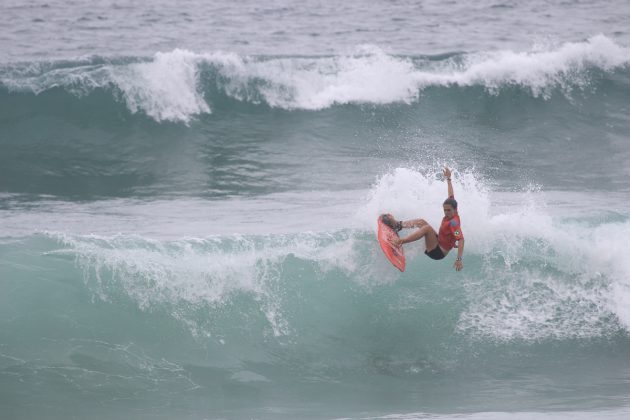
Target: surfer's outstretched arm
460, 251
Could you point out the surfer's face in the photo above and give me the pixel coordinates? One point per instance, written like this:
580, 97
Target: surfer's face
449, 211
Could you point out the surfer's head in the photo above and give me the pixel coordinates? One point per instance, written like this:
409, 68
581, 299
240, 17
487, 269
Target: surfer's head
389, 220
450, 207
451, 202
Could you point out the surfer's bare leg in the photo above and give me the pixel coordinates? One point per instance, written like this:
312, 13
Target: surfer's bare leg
425, 231
417, 223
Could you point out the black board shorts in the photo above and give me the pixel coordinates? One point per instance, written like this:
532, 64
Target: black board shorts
436, 253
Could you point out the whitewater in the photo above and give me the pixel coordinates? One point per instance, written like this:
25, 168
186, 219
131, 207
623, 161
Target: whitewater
189, 194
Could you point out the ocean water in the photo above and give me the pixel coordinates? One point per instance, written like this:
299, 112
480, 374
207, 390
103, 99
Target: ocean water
189, 190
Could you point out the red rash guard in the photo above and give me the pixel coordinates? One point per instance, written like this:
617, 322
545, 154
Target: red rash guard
450, 232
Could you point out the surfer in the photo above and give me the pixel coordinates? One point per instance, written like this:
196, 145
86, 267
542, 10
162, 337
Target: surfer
438, 245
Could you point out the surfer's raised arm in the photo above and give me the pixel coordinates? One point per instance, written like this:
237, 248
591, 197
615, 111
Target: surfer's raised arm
447, 175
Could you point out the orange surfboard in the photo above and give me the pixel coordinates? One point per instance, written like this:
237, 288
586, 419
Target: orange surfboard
395, 255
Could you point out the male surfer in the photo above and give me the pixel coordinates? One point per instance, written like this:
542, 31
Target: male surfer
439, 244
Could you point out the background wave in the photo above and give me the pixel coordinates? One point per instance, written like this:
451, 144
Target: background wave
180, 85
262, 125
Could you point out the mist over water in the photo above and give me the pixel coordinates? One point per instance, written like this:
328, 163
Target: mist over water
187, 216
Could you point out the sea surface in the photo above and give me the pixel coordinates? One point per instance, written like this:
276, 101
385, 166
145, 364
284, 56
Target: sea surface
189, 193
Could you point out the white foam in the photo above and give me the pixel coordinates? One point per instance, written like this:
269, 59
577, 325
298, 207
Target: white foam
541, 69
166, 88
411, 194
369, 75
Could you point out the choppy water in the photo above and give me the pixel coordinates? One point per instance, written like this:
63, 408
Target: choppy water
188, 195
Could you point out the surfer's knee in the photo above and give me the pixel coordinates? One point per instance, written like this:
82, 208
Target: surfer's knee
417, 223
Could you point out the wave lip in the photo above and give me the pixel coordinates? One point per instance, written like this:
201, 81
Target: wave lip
542, 69
181, 85
374, 77
166, 89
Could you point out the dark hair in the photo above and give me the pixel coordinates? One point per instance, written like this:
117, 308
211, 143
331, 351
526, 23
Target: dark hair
451, 201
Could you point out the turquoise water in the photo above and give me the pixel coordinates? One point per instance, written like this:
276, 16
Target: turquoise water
188, 196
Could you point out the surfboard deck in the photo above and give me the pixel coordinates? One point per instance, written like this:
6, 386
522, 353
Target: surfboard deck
395, 255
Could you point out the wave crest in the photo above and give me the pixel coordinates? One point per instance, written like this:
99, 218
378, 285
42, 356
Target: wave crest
179, 85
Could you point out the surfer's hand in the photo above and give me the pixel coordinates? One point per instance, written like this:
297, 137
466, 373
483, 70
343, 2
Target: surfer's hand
458, 265
447, 173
